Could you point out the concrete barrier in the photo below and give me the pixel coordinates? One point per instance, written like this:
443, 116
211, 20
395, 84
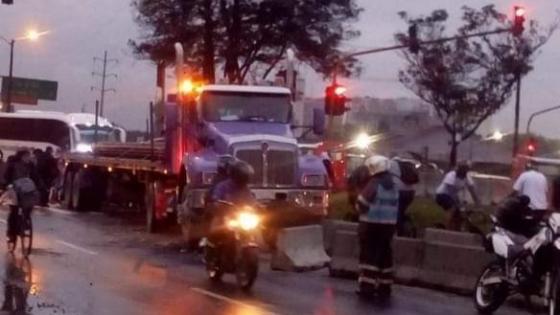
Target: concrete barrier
345, 253
299, 248
407, 253
452, 237
442, 259
452, 260
330, 227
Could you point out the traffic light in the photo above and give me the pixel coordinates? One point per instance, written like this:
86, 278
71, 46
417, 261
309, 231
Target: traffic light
531, 146
413, 43
518, 21
335, 100
7, 1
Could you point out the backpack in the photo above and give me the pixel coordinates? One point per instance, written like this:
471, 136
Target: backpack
409, 174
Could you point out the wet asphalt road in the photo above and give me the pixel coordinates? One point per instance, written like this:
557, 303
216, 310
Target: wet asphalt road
94, 264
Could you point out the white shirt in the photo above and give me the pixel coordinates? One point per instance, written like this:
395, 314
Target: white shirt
452, 185
534, 185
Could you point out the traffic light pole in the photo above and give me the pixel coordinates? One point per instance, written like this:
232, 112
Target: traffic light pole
517, 113
330, 121
9, 108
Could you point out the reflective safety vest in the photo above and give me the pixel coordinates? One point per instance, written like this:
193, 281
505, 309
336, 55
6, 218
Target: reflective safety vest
385, 208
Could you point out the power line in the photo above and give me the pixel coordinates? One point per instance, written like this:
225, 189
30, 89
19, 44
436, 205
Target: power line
104, 75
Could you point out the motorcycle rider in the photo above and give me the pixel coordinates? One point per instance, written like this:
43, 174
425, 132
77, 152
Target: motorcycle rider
378, 205
533, 184
234, 189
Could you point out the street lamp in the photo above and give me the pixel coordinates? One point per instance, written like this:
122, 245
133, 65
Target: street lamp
31, 35
362, 141
535, 114
496, 136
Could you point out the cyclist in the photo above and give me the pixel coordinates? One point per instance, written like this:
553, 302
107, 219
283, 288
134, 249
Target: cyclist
447, 194
22, 175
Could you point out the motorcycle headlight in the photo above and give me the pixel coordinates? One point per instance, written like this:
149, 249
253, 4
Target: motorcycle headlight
310, 180
248, 221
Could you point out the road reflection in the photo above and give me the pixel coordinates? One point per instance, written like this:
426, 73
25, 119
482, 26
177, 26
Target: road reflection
17, 284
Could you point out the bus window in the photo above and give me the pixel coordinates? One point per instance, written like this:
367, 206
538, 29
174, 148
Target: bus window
35, 130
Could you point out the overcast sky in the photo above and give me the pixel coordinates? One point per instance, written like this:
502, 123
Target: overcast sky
82, 29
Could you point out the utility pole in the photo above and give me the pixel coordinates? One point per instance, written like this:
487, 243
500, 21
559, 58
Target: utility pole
104, 75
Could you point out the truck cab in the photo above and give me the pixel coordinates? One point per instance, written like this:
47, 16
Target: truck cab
251, 123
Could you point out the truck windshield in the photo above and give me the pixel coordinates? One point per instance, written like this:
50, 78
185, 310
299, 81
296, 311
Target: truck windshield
104, 134
244, 106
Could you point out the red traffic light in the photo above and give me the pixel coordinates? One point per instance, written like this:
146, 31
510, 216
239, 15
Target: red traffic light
519, 11
531, 147
518, 21
335, 100
339, 90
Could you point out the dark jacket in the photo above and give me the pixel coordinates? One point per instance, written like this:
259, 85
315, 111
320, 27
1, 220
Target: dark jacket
19, 169
227, 190
357, 181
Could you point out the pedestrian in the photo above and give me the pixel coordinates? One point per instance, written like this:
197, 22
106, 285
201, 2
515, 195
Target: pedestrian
533, 184
42, 168
555, 199
378, 205
50, 171
2, 169
448, 194
406, 177
357, 181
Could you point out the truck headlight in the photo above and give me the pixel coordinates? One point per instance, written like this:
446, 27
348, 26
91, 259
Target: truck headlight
310, 180
84, 148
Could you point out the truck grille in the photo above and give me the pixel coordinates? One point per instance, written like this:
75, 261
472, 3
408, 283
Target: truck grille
279, 169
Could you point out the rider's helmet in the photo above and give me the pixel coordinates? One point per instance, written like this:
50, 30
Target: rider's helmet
241, 172
462, 169
377, 164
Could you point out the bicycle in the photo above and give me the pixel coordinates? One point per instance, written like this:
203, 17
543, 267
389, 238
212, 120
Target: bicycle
23, 225
467, 219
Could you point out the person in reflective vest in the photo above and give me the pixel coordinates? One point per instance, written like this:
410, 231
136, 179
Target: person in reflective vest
378, 204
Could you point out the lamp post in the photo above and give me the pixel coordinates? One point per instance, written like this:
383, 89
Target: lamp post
535, 114
31, 35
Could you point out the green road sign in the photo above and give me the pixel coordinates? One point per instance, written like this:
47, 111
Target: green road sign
38, 89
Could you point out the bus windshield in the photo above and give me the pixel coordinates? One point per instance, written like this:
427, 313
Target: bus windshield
104, 134
23, 129
246, 106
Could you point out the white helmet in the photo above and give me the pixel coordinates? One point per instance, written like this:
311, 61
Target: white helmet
377, 164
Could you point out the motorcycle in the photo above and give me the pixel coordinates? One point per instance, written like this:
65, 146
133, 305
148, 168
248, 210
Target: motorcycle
529, 267
233, 247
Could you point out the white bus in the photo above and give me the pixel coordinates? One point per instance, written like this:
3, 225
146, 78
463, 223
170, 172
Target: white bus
64, 132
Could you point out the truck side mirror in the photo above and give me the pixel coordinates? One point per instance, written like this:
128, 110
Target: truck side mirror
318, 121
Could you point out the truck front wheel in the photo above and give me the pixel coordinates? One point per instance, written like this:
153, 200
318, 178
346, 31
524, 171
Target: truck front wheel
155, 203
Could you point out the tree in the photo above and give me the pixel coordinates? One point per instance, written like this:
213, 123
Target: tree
239, 35
468, 80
